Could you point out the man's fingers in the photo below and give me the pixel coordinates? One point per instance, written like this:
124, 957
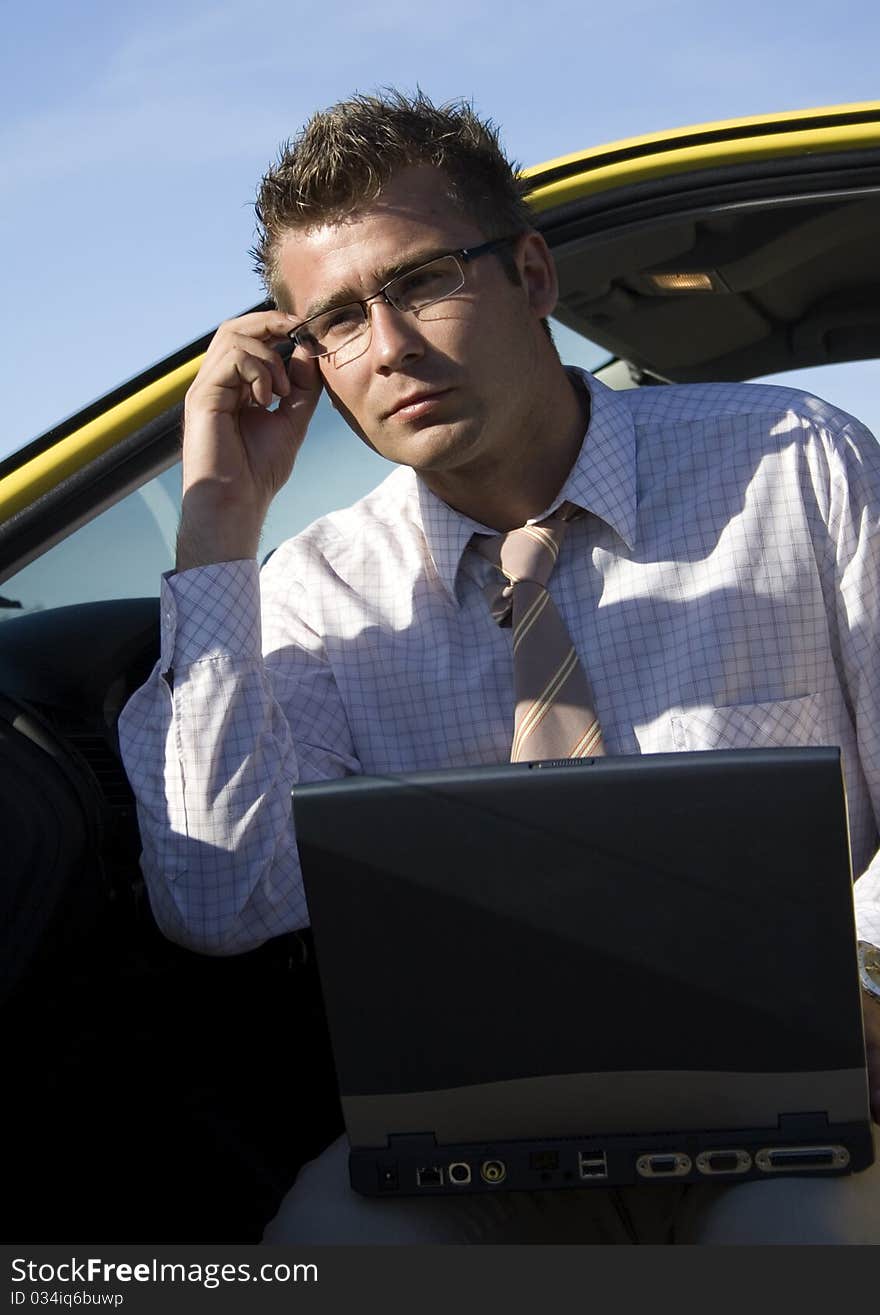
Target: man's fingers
261, 351
256, 374
254, 338
304, 374
241, 360
264, 325
304, 391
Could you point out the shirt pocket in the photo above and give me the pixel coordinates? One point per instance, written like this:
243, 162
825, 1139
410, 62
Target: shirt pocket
754, 725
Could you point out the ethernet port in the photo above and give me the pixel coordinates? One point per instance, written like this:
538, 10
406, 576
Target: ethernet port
544, 1161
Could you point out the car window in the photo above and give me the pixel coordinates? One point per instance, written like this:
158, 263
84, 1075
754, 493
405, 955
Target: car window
123, 551
120, 554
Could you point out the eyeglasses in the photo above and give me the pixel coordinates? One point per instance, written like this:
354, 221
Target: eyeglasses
339, 331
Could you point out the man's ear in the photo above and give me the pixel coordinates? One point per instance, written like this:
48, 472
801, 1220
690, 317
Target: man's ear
537, 270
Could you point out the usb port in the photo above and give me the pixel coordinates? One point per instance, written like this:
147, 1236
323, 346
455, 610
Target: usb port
592, 1164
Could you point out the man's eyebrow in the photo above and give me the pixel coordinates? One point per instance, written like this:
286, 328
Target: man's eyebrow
345, 295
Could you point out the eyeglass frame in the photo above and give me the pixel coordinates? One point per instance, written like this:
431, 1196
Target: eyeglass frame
464, 254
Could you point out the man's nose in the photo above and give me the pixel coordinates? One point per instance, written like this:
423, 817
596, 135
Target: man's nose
396, 337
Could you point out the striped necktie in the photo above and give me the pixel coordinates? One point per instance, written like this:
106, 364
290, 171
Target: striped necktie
555, 717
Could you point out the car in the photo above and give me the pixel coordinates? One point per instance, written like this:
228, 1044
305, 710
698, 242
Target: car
158, 1094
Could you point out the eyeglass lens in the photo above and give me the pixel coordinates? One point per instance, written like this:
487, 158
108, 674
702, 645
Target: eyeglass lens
411, 291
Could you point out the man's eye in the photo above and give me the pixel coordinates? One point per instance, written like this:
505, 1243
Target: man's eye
421, 284
304, 339
336, 323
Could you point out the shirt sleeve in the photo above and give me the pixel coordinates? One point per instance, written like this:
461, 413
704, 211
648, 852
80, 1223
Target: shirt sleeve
212, 743
854, 531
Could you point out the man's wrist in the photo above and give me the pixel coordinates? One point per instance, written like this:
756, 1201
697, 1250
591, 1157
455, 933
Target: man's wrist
216, 531
193, 553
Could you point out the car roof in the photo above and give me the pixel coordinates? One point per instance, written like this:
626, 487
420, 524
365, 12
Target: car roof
701, 146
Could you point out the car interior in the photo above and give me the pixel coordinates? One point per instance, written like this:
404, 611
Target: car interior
733, 293
159, 1095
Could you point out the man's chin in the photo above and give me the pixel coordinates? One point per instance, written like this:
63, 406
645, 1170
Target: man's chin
423, 446
432, 451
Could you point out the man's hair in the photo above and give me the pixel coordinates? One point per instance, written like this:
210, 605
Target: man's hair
346, 155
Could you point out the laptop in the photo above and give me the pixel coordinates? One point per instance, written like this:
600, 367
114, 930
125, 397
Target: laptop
590, 972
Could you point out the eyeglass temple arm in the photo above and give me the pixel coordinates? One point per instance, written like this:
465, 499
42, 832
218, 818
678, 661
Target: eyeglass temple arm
471, 253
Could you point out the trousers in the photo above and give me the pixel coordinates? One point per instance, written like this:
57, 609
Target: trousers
321, 1208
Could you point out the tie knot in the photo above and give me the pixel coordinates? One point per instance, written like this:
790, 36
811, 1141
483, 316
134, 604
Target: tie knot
531, 551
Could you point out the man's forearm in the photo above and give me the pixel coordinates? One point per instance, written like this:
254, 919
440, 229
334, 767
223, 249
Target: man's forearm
211, 765
238, 450
219, 851
212, 762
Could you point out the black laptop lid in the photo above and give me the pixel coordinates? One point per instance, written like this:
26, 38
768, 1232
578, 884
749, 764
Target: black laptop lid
644, 914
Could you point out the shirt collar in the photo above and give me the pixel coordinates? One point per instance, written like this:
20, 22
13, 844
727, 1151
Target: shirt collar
603, 478
602, 481
447, 533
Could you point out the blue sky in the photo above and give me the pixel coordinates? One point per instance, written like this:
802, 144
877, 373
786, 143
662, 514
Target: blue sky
133, 137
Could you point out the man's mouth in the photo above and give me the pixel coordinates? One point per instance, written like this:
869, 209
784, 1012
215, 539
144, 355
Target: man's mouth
416, 404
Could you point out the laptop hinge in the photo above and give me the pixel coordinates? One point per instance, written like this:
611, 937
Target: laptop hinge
802, 1125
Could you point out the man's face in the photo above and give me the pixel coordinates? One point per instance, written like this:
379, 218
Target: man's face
446, 390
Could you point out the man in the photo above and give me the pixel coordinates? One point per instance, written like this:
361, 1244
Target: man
718, 579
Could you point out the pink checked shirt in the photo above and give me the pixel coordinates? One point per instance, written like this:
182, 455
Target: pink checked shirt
724, 593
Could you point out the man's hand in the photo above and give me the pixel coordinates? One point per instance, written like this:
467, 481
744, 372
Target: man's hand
236, 453
871, 1012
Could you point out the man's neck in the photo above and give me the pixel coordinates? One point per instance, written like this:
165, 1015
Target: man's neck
530, 480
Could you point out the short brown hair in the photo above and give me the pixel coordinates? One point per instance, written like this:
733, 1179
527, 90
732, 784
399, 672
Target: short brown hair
346, 155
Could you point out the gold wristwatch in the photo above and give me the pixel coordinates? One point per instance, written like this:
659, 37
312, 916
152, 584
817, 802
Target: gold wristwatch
869, 969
